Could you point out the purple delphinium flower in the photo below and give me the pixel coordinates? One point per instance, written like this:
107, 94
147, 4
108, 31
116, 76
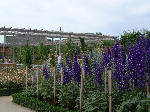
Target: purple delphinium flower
66, 77
76, 69
86, 65
98, 72
107, 59
46, 72
119, 64
70, 74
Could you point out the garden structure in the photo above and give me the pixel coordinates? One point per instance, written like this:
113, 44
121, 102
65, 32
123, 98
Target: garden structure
17, 37
91, 78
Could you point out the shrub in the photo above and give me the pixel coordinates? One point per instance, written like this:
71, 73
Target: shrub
9, 91
36, 104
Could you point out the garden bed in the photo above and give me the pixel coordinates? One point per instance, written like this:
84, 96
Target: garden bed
36, 104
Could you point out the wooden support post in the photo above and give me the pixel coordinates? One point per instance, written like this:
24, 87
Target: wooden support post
20, 54
13, 54
54, 75
81, 88
52, 40
60, 46
60, 43
3, 50
33, 74
62, 75
56, 49
33, 55
110, 89
147, 84
105, 78
130, 81
4, 44
37, 84
26, 78
133, 83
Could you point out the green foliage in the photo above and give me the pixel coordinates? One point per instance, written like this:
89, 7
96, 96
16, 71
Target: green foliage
9, 91
134, 102
96, 102
10, 84
42, 52
52, 59
94, 99
132, 37
83, 45
69, 50
68, 95
47, 89
108, 43
18, 54
27, 56
99, 33
36, 104
32, 91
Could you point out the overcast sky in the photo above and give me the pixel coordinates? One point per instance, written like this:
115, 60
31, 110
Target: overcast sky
111, 17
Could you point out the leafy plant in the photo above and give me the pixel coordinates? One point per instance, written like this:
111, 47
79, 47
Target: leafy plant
135, 102
27, 56
36, 104
68, 95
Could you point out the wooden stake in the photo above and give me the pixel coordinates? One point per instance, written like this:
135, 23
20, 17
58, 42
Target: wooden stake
13, 54
81, 88
62, 75
130, 81
110, 89
33, 74
133, 83
147, 84
3, 50
105, 76
37, 76
26, 78
54, 71
33, 55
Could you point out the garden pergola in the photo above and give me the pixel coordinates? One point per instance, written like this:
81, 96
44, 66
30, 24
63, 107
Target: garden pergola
17, 37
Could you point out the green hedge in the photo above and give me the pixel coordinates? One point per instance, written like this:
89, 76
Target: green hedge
36, 104
9, 91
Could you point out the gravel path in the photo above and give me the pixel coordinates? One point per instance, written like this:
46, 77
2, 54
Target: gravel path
6, 105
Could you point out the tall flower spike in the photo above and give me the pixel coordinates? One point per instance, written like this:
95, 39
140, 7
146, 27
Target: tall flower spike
76, 69
66, 78
86, 65
98, 72
46, 72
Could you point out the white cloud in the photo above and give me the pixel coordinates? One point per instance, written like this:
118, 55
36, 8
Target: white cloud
106, 16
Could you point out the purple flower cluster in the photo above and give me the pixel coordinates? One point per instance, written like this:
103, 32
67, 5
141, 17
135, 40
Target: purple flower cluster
98, 72
86, 65
76, 69
107, 59
46, 72
148, 65
138, 64
70, 68
66, 76
119, 67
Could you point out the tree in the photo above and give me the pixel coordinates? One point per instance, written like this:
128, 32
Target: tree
27, 56
98, 33
42, 52
83, 45
132, 37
